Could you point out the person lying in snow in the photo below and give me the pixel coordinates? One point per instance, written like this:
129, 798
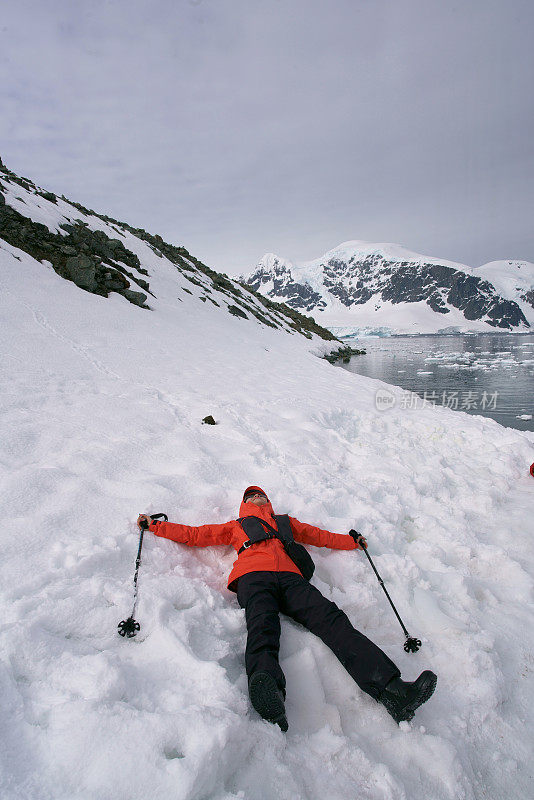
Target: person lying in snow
267, 581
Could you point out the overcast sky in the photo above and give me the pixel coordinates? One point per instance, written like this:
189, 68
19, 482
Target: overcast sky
240, 127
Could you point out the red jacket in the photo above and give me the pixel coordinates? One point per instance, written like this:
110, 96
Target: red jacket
267, 555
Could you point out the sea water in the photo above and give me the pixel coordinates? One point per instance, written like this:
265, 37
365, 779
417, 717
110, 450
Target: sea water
488, 374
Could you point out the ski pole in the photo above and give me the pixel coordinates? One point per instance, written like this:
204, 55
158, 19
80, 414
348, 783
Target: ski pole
411, 645
129, 627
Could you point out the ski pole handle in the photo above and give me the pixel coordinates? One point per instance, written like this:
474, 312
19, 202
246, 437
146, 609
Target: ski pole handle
143, 524
358, 538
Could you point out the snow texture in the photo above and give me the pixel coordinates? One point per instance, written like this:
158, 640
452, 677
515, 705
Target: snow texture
102, 405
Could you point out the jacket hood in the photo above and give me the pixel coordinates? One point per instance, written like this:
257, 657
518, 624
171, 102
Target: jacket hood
252, 510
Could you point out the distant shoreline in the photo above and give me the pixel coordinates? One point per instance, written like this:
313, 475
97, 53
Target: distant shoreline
421, 335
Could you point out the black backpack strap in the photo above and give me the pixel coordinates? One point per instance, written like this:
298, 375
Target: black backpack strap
284, 528
257, 530
296, 552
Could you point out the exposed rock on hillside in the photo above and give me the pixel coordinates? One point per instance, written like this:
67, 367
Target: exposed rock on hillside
98, 261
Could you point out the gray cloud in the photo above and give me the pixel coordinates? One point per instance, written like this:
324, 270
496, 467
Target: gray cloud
237, 127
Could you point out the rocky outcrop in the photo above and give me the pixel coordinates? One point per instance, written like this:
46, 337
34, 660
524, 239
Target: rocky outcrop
99, 263
90, 259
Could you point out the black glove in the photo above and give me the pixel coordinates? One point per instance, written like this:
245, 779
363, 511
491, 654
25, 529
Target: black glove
358, 538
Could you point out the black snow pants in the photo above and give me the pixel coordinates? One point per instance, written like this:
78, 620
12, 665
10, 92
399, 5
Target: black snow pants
264, 595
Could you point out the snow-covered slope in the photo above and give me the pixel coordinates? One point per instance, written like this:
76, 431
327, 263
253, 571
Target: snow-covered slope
103, 256
514, 280
361, 286
102, 403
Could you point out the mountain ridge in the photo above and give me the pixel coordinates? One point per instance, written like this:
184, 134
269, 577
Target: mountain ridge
364, 285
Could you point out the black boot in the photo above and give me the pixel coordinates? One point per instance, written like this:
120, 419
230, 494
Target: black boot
401, 698
267, 698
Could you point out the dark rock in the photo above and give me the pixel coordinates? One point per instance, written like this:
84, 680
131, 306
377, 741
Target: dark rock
112, 279
82, 270
48, 196
2, 199
69, 251
237, 312
344, 354
528, 297
137, 298
208, 420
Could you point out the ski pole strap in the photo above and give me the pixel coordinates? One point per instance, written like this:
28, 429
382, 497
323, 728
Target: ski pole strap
144, 524
159, 516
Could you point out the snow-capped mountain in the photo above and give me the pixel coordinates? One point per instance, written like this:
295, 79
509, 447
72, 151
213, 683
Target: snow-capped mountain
362, 286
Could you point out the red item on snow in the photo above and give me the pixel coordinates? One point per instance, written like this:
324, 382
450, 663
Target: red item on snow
532, 470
